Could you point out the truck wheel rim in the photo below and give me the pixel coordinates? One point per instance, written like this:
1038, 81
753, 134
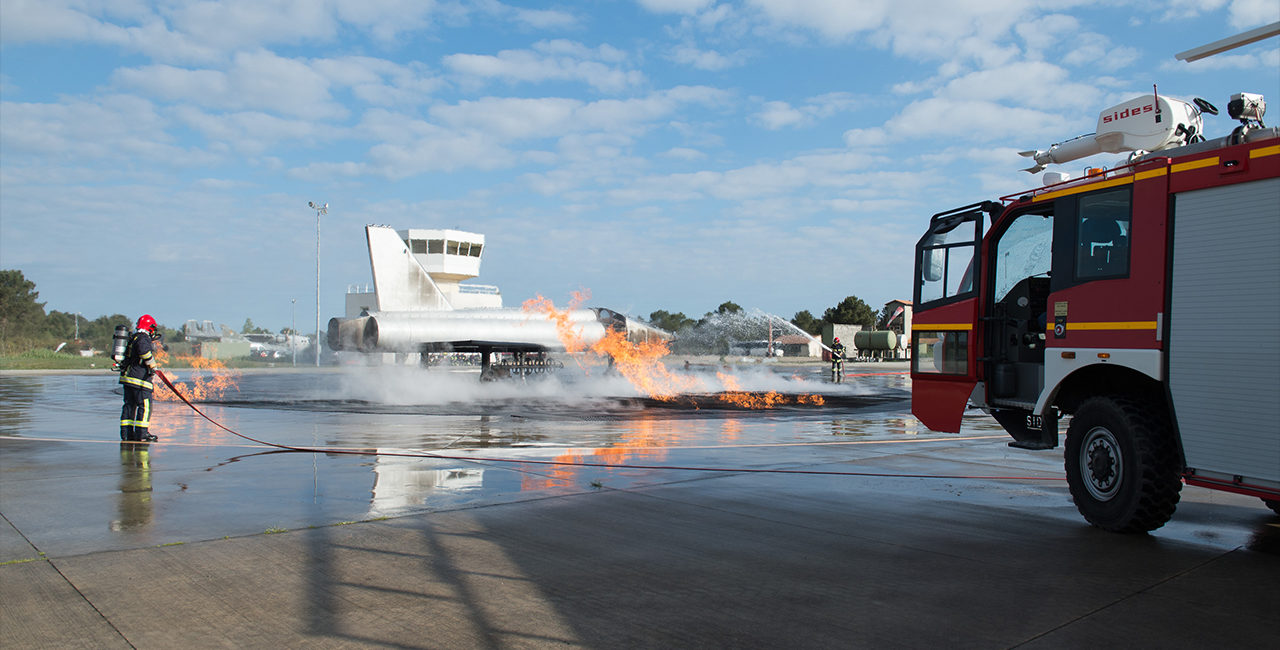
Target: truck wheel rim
1100, 463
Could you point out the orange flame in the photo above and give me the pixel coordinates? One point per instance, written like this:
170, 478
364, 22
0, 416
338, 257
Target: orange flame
641, 363
201, 388
734, 394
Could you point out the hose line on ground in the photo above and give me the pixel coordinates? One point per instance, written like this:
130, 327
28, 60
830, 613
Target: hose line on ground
483, 459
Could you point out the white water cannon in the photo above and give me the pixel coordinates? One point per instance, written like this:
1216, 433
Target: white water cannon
1143, 124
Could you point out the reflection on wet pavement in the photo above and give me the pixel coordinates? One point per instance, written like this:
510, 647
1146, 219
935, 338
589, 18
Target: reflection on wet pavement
133, 506
201, 482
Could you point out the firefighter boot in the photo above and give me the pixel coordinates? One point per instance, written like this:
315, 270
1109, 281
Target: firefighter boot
126, 432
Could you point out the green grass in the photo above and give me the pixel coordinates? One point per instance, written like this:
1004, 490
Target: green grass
41, 359
50, 360
22, 561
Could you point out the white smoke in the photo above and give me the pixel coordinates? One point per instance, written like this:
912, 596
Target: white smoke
573, 385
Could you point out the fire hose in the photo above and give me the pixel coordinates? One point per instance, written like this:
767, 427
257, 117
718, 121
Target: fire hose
493, 459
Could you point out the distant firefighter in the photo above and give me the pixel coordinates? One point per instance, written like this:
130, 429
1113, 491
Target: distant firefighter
837, 361
137, 368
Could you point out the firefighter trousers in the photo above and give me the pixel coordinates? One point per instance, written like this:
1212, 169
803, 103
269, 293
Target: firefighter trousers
135, 417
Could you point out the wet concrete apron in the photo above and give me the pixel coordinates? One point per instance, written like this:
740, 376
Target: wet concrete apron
202, 540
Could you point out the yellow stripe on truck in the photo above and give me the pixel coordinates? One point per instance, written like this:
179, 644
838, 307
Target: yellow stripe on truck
1265, 151
1116, 325
1196, 164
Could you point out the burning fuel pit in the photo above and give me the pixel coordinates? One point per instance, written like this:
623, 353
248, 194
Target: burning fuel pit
681, 406
774, 401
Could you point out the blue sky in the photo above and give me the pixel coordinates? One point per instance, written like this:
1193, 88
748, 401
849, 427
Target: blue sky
664, 154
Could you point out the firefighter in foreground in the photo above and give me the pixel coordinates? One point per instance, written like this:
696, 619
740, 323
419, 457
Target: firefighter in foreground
837, 361
136, 370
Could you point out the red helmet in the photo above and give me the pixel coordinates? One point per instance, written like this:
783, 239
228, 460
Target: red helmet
146, 322
837, 339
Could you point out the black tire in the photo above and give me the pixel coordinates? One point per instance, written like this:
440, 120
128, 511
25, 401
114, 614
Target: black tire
1122, 465
1273, 504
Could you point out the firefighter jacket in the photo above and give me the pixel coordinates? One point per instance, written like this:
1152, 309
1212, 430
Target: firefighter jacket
837, 352
139, 362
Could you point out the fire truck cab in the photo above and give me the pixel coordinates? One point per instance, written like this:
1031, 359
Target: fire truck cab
1142, 301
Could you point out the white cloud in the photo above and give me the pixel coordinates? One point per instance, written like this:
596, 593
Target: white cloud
1246, 14
386, 20
112, 128
683, 153
1097, 51
958, 31
776, 115
377, 81
832, 171
1032, 83
834, 19
709, 60
868, 138
511, 118
408, 146
1187, 9
206, 31
257, 80
548, 61
1046, 31
1027, 99
546, 18
27, 21
972, 120
675, 6
232, 25
249, 132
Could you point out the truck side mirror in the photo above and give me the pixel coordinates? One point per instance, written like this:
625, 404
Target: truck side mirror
932, 265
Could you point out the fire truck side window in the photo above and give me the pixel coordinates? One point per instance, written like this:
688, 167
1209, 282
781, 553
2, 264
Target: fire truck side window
1102, 233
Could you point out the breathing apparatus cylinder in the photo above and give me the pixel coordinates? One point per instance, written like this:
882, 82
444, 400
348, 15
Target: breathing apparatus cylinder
119, 341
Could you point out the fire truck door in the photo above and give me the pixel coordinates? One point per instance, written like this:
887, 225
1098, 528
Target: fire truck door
943, 370
1015, 325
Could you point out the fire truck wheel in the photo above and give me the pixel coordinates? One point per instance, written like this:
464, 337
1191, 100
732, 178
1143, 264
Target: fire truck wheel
1273, 504
1121, 466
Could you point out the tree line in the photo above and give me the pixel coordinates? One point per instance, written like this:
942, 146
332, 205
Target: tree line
25, 326
850, 311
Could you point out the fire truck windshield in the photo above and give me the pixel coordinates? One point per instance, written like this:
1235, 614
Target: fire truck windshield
1025, 249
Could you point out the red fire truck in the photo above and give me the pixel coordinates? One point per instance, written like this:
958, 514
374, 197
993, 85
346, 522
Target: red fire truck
1142, 301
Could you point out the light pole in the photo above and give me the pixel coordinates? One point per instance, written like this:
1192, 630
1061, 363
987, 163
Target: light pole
293, 329
320, 209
